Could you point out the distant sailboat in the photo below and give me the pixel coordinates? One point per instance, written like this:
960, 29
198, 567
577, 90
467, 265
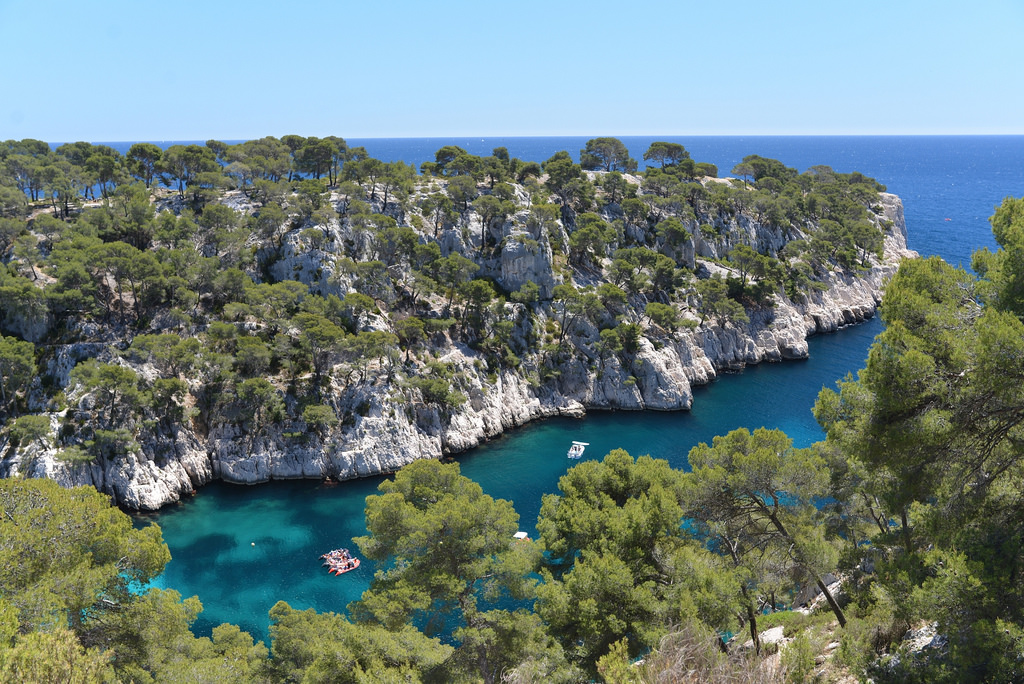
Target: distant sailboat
576, 450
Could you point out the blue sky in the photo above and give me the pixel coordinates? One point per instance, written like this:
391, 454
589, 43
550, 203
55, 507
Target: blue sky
138, 70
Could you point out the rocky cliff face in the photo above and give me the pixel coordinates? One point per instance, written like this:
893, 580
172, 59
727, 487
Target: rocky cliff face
387, 431
665, 374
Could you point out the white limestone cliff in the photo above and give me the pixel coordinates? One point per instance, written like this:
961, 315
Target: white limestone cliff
390, 431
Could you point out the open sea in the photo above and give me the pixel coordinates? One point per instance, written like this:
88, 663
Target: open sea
241, 549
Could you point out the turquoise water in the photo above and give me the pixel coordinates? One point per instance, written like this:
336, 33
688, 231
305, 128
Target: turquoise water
241, 549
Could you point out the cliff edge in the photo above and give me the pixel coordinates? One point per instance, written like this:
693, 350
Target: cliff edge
565, 361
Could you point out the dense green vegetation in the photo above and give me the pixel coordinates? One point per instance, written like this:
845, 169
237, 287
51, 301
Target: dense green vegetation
613, 573
932, 432
273, 289
279, 287
913, 501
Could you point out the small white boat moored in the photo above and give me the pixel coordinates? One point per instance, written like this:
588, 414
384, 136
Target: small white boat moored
576, 450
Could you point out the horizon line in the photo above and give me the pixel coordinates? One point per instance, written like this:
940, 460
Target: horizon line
574, 135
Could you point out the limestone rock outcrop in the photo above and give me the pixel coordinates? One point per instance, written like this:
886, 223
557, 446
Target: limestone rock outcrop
525, 260
384, 431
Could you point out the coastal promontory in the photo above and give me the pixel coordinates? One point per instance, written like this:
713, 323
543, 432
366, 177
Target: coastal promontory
294, 308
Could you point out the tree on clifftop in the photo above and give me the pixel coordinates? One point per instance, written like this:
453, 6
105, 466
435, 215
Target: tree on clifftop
608, 154
182, 165
567, 180
666, 153
143, 161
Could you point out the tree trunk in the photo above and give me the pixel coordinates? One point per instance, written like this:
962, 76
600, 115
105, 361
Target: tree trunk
821, 585
746, 597
832, 602
906, 530
482, 665
752, 619
879, 519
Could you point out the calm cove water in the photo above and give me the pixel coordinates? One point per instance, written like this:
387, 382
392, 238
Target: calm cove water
241, 549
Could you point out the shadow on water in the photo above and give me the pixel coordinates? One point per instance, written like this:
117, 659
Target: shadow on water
207, 550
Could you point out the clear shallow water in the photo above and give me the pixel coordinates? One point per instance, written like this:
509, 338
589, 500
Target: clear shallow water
241, 549
291, 523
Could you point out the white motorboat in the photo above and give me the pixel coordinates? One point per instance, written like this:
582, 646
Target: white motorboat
576, 450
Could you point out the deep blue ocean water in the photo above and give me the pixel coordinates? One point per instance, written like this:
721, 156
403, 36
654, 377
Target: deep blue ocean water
240, 549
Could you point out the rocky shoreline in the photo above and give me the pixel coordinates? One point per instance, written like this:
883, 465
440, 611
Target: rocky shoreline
387, 433
693, 358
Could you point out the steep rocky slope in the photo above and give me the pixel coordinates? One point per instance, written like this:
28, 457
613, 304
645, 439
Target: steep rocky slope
387, 432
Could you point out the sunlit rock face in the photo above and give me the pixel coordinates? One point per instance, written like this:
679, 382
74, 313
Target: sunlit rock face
384, 425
